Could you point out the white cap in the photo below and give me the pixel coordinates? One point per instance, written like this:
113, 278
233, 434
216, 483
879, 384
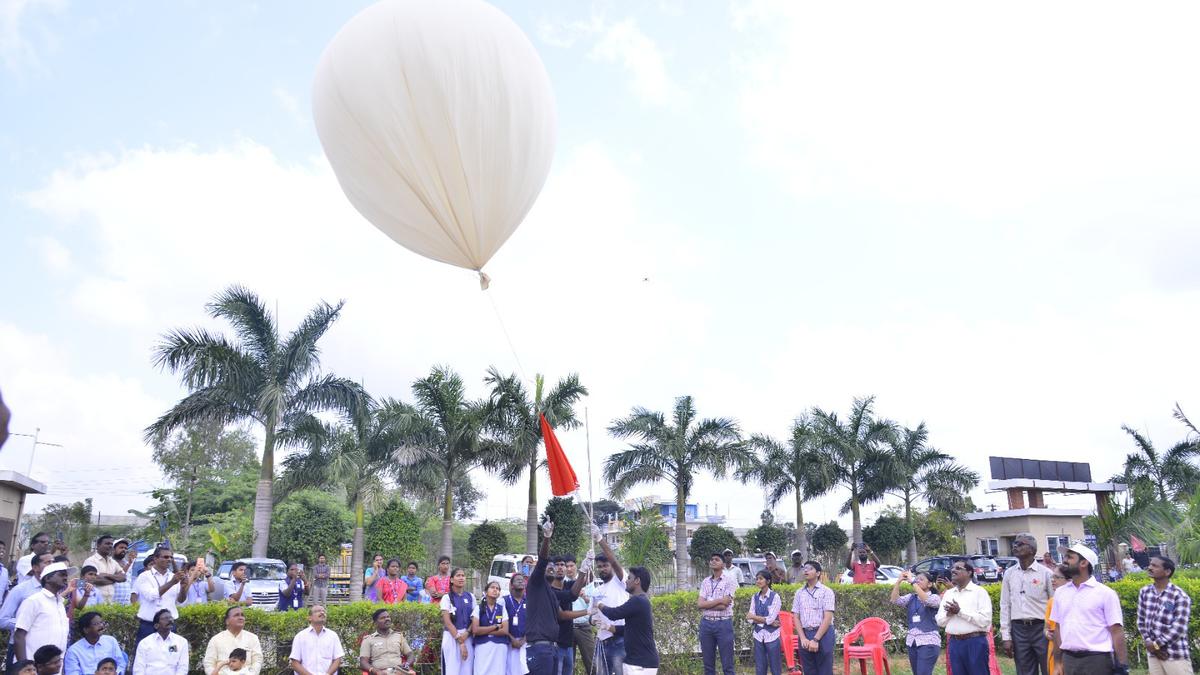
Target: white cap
797, 552
1087, 553
52, 568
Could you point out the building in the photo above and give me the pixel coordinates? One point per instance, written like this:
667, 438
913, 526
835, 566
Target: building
1026, 482
13, 488
666, 509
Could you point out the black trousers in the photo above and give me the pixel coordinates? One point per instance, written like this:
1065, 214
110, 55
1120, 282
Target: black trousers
1095, 663
1029, 648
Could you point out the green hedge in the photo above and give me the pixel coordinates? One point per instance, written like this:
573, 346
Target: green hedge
676, 623
275, 630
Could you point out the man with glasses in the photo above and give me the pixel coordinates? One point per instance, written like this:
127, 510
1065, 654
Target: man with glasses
84, 657
38, 545
966, 614
1024, 592
153, 588
813, 607
26, 586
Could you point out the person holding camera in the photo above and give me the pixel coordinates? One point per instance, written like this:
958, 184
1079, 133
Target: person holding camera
921, 606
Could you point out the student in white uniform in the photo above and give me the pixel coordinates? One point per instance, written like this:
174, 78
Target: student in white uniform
490, 630
458, 610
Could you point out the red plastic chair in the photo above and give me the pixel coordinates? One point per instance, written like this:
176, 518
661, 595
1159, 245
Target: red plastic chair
993, 664
873, 632
787, 642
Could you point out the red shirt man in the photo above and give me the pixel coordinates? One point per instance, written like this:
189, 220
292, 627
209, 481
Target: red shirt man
863, 563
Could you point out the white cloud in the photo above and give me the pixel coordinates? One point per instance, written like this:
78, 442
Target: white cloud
988, 109
55, 255
622, 43
96, 416
18, 49
291, 106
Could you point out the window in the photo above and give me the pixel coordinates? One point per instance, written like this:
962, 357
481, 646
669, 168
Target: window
1052, 544
924, 567
502, 568
989, 546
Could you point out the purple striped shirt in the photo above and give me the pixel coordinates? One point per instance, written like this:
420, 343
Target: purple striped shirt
812, 603
711, 589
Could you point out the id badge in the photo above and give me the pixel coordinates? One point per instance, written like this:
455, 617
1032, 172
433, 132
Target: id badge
916, 618
516, 620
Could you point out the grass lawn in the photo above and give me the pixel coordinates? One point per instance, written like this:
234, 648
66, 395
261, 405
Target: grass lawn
899, 664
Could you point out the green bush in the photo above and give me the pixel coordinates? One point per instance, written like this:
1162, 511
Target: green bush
307, 523
421, 623
676, 623
396, 533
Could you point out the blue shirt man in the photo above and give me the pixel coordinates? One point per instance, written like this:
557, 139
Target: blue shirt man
414, 584
27, 587
83, 657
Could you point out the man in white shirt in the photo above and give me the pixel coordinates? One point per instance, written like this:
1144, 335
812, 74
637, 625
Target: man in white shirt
42, 618
316, 650
38, 545
236, 589
234, 636
155, 588
162, 652
1024, 592
612, 593
966, 614
732, 572
109, 571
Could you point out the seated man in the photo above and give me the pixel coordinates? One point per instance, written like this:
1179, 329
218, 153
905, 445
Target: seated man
385, 651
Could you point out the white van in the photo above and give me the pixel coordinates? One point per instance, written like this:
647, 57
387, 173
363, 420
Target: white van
503, 566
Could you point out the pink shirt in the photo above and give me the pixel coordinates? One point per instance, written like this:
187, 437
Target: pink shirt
1084, 613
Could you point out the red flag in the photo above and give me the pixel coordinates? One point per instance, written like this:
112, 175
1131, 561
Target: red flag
562, 477
1136, 544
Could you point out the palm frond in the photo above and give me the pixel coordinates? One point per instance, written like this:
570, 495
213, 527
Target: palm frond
250, 319
215, 404
299, 355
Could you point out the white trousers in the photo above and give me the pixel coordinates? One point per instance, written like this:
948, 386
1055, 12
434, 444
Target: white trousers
638, 670
516, 661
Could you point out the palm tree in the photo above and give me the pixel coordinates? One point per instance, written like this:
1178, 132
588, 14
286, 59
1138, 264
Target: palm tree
352, 460
674, 453
442, 438
519, 425
856, 449
1171, 475
929, 474
255, 376
797, 468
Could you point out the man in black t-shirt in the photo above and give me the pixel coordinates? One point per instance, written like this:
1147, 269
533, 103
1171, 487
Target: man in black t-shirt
640, 652
566, 616
543, 609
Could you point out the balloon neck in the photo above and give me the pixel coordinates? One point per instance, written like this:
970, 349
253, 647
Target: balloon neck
484, 281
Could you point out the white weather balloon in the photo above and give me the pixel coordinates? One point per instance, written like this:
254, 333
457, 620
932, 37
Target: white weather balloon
439, 122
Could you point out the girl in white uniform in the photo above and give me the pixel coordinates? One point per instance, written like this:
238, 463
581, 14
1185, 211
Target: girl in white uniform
490, 628
458, 612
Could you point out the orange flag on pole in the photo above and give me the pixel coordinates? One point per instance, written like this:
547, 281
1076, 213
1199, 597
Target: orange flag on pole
562, 477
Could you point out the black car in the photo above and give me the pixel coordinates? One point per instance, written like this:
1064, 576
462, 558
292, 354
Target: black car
1005, 562
985, 568
938, 567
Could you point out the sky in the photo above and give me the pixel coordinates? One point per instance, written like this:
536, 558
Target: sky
986, 216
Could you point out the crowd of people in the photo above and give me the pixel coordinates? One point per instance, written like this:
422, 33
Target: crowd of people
1054, 618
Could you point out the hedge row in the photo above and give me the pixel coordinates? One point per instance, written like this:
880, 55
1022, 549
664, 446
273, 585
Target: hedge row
676, 623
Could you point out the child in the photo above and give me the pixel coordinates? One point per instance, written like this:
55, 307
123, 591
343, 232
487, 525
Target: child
85, 590
107, 666
235, 663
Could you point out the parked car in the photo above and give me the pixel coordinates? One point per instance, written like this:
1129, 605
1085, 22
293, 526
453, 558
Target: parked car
263, 576
986, 569
938, 567
1005, 562
503, 566
749, 568
887, 574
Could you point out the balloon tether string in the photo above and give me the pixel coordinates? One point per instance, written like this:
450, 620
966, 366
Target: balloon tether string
507, 337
